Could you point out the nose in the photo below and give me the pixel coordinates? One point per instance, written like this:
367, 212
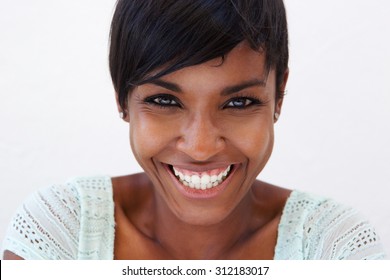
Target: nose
201, 138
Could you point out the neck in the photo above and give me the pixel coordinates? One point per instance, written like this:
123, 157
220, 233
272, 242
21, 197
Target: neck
182, 240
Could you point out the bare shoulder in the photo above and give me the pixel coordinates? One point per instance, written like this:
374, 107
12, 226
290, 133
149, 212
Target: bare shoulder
131, 185
271, 196
132, 193
134, 179
133, 199
8, 255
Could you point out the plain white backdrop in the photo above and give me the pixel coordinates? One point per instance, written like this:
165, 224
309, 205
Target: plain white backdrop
58, 117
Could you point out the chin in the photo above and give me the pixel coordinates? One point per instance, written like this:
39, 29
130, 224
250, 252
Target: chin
204, 219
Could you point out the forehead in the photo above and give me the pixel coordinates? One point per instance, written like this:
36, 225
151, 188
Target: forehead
241, 64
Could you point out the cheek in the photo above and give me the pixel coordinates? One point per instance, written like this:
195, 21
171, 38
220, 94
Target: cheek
149, 135
254, 138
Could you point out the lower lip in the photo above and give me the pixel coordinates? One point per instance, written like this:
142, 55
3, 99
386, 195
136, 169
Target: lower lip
201, 194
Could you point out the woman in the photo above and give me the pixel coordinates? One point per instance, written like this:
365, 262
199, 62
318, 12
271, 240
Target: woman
201, 85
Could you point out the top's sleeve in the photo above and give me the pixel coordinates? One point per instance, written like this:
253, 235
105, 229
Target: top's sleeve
46, 226
337, 232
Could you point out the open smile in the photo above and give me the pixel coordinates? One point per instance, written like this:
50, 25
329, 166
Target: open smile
201, 184
201, 180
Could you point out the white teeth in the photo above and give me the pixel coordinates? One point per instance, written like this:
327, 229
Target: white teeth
195, 179
202, 181
181, 176
226, 171
205, 180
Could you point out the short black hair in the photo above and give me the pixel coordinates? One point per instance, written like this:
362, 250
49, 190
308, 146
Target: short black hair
168, 35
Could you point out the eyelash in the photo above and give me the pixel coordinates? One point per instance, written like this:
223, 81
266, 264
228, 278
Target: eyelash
152, 100
254, 101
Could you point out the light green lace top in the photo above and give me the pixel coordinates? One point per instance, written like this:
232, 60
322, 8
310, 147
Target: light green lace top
76, 221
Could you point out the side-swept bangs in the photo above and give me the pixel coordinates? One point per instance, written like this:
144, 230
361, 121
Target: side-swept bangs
172, 34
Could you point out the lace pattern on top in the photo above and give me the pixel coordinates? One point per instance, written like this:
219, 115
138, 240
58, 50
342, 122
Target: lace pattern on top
76, 221
62, 222
46, 226
317, 228
97, 233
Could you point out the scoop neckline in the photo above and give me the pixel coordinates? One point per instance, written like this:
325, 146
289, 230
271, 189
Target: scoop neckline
279, 237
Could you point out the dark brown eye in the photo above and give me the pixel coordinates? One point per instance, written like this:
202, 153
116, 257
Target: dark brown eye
241, 102
163, 100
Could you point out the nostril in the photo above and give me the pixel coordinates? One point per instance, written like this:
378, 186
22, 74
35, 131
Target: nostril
201, 149
201, 137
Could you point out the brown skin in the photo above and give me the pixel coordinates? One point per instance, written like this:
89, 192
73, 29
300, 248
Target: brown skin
8, 255
202, 130
137, 234
205, 128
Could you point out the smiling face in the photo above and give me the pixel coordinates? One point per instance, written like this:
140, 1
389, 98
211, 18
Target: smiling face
203, 134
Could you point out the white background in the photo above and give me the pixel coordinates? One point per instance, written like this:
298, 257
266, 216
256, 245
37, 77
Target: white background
58, 117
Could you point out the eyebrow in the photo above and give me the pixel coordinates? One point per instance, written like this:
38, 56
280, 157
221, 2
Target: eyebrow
226, 91
167, 85
247, 84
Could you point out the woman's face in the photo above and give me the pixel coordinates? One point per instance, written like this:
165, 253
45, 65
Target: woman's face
202, 134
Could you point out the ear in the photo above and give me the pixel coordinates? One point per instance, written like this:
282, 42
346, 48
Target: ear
279, 103
124, 115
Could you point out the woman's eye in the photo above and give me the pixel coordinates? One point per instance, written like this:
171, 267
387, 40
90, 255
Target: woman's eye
241, 102
162, 100
165, 101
